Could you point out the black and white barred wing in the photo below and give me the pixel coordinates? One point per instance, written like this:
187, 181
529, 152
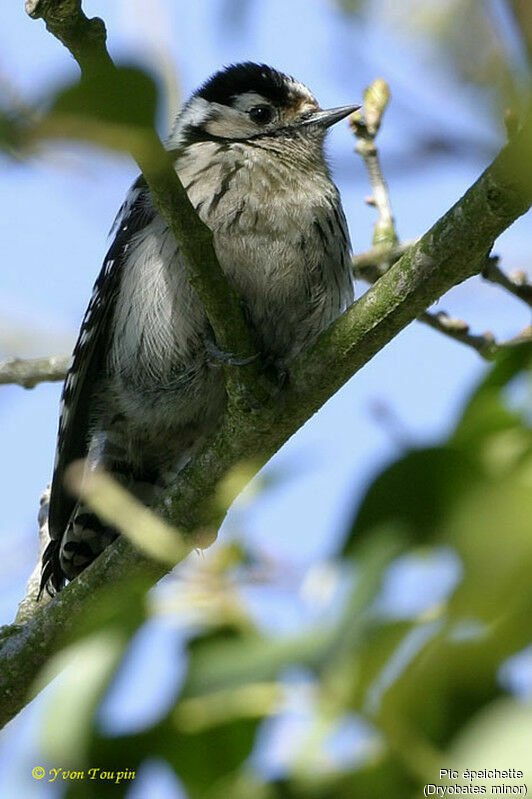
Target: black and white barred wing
86, 368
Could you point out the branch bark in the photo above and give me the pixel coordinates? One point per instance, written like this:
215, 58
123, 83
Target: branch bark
455, 248
28, 372
517, 285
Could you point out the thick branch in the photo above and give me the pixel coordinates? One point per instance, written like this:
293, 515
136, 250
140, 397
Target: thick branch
375, 263
453, 249
24, 648
28, 373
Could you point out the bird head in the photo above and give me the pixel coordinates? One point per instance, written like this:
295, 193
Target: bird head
248, 102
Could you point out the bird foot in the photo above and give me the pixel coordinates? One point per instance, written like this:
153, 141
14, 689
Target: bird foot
218, 356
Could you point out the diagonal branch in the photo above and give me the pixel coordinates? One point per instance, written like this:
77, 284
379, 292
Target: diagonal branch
516, 283
86, 40
370, 266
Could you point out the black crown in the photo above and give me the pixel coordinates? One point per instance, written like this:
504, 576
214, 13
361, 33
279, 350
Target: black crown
247, 77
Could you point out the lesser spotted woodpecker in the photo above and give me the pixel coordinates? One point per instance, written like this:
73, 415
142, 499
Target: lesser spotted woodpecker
141, 394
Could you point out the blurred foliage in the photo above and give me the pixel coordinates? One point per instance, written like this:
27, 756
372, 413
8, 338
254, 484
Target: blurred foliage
486, 44
131, 99
426, 686
93, 109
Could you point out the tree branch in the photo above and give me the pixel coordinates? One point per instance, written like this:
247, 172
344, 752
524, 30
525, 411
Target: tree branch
27, 373
27, 606
24, 648
85, 38
372, 265
515, 283
484, 343
376, 98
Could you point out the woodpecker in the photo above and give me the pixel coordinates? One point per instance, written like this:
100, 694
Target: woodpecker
142, 393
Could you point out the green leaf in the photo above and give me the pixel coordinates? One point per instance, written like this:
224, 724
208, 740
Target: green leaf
202, 759
419, 491
499, 735
486, 412
487, 619
414, 493
130, 98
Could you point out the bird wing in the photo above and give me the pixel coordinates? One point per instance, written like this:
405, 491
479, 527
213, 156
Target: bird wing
88, 360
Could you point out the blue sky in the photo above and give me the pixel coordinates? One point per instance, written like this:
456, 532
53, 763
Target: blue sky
56, 210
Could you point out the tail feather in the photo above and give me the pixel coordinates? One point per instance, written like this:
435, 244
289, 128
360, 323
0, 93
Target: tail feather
52, 577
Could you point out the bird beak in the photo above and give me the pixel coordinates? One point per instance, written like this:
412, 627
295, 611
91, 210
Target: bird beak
326, 118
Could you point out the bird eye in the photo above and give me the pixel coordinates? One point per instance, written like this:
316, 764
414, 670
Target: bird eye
261, 114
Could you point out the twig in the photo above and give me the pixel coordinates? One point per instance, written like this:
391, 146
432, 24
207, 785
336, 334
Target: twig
376, 98
28, 372
373, 263
485, 343
370, 266
516, 283
85, 38
458, 330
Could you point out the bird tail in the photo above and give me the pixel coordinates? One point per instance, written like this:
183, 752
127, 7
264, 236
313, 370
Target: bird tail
52, 577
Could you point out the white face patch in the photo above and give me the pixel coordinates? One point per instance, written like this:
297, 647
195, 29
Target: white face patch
245, 102
194, 113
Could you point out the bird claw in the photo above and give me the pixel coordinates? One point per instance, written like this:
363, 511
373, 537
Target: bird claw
217, 356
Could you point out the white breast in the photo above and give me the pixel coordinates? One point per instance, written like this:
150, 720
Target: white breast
157, 314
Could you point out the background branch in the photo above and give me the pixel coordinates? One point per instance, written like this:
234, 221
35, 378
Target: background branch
516, 283
370, 266
28, 372
376, 98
